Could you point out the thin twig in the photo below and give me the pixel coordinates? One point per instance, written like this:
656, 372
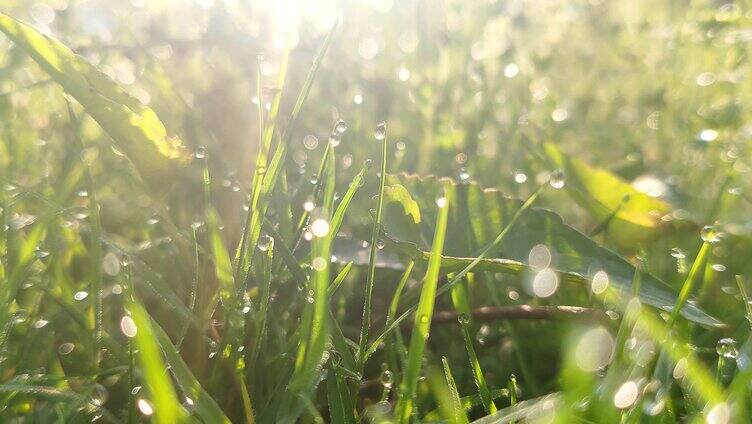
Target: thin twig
551, 313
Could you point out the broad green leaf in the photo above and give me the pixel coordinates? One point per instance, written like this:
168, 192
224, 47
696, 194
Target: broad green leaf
573, 255
632, 217
135, 128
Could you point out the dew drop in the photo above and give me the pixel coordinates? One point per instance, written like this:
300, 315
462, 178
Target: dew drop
308, 205
557, 179
380, 244
600, 282
66, 348
464, 175
111, 264
727, 348
719, 414
99, 395
626, 396
463, 319
128, 326
80, 295
264, 241
520, 177
678, 253
379, 133
318, 263
320, 227
200, 152
709, 235
340, 127
387, 379
145, 407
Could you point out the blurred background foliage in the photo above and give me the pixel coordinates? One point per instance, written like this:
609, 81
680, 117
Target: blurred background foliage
658, 92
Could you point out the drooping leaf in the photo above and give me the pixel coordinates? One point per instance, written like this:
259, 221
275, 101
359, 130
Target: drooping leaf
574, 256
134, 127
630, 216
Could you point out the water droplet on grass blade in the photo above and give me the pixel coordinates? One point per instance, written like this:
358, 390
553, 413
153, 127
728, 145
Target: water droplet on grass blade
128, 326
145, 407
708, 234
557, 179
66, 348
264, 241
727, 348
318, 263
320, 227
463, 318
464, 175
626, 396
80, 295
387, 379
379, 133
200, 152
678, 253
111, 264
600, 282
340, 127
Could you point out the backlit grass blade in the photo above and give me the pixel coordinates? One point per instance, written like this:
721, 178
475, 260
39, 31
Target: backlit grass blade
135, 128
695, 274
339, 279
366, 324
203, 404
167, 409
422, 324
457, 278
259, 204
314, 327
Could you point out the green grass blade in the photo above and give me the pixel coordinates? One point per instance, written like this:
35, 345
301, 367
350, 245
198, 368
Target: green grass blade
203, 404
422, 324
695, 273
370, 277
455, 409
462, 304
483, 254
167, 409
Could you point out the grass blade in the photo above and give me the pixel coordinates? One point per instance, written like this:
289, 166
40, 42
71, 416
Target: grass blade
422, 324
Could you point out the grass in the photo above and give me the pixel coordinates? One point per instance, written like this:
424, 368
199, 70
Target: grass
193, 228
